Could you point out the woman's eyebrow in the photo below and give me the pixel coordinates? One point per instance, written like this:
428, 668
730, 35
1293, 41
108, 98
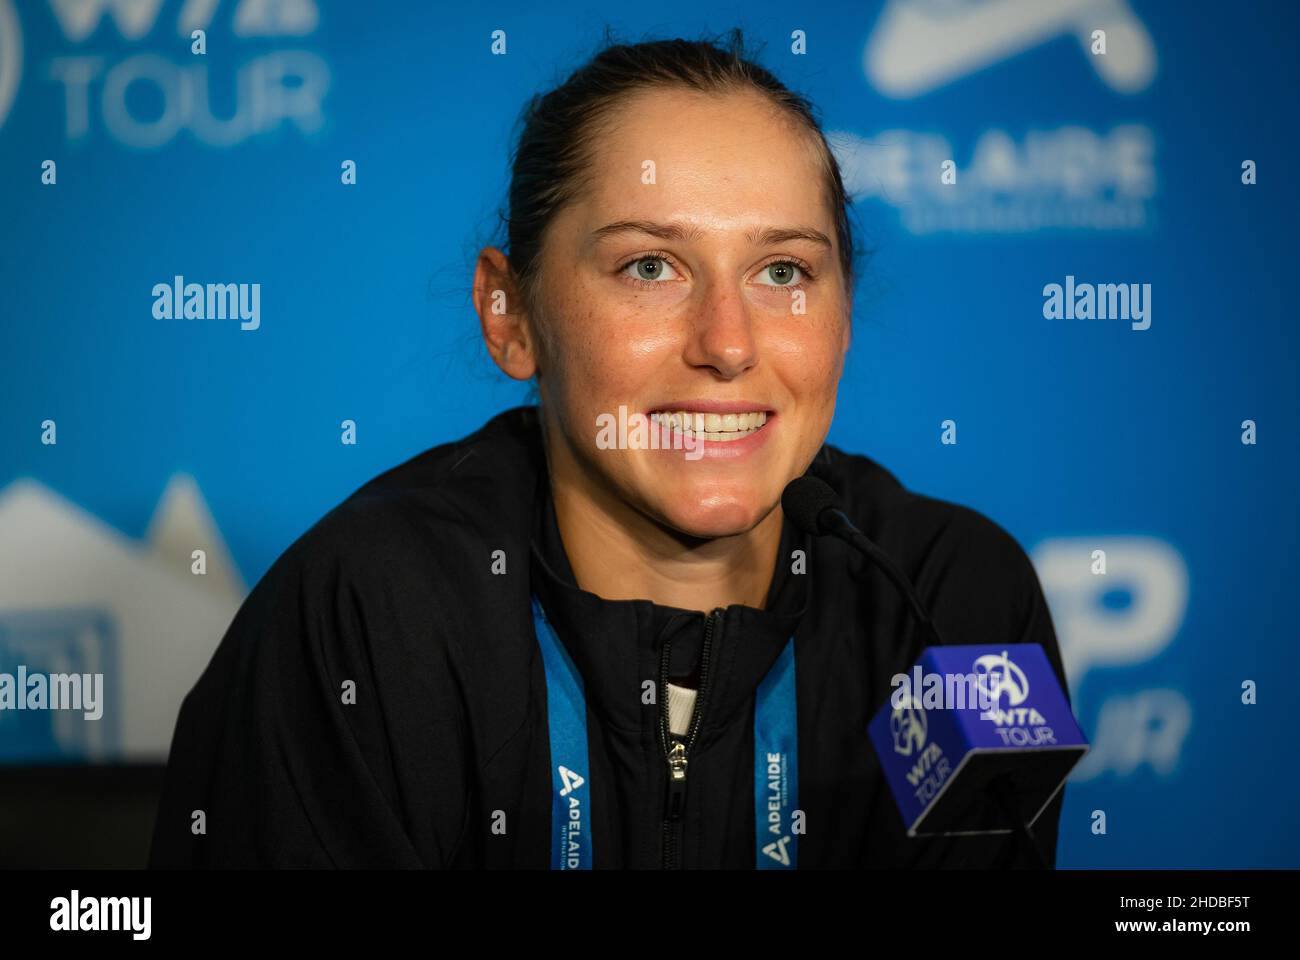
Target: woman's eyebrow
664, 231
774, 235
677, 231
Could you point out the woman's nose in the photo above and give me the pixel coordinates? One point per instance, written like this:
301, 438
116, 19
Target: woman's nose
721, 334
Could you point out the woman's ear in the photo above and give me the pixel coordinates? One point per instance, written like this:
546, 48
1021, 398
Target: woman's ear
505, 323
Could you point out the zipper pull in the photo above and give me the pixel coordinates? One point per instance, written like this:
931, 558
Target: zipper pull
676, 779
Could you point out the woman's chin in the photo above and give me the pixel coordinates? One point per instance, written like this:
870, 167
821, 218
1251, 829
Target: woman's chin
708, 521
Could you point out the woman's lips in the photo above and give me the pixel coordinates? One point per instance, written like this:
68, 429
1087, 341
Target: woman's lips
749, 429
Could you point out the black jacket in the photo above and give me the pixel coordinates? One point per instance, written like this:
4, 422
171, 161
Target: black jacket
441, 758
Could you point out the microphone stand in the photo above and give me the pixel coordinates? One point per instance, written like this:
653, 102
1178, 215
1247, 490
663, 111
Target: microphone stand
1000, 789
837, 523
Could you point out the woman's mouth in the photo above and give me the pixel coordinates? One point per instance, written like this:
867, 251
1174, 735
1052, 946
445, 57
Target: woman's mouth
716, 427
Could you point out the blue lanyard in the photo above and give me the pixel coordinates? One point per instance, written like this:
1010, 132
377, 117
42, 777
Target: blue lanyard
776, 759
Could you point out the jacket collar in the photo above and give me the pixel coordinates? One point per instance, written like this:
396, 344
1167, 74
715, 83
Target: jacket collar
616, 644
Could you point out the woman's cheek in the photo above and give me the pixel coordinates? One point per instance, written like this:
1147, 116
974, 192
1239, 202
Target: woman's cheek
624, 348
602, 372
809, 358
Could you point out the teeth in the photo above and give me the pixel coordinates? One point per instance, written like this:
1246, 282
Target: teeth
712, 426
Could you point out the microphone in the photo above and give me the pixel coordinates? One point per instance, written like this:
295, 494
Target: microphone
967, 771
813, 507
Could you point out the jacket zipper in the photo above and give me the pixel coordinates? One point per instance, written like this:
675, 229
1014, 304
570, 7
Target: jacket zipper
675, 752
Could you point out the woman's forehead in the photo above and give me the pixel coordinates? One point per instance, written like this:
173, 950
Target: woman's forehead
669, 154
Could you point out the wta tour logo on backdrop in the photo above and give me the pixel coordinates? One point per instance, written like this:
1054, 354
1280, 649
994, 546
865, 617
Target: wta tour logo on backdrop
273, 86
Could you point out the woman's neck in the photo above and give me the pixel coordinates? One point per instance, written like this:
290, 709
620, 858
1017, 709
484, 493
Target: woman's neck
618, 553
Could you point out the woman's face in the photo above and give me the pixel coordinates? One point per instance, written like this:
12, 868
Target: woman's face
698, 274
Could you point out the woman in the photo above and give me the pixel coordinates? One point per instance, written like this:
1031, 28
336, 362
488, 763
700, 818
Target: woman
548, 645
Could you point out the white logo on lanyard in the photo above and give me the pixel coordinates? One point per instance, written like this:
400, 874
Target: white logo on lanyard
571, 780
778, 852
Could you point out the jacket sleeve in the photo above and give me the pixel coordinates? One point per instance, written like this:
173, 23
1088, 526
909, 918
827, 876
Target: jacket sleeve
310, 738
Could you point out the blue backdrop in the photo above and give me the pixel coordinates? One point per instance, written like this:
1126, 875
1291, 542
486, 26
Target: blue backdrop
1076, 435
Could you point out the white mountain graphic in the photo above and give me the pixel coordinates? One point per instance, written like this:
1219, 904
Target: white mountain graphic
59, 561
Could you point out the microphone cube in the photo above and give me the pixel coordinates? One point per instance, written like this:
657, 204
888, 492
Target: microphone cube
971, 731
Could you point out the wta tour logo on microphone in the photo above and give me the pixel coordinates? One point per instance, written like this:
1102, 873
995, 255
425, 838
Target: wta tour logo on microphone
1017, 725
907, 725
927, 769
973, 713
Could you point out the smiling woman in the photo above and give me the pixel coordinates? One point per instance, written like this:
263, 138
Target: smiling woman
679, 243
534, 647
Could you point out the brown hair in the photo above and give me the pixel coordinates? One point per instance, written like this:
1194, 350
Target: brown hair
558, 128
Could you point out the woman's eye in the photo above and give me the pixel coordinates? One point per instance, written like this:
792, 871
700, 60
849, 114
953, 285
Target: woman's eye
651, 269
783, 273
